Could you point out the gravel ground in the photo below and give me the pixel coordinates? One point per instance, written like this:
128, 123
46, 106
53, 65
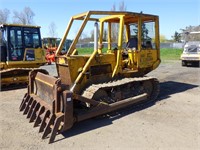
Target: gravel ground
172, 123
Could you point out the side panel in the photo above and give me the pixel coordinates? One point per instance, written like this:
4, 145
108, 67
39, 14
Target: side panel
147, 58
68, 70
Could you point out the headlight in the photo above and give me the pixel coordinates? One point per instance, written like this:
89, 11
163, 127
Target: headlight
198, 49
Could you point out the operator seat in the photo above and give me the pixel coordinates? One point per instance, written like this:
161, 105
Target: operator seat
132, 43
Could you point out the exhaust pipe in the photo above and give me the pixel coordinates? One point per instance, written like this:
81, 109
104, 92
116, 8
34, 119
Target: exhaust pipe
96, 30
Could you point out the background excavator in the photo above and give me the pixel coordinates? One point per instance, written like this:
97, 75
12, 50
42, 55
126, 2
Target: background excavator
50, 44
110, 78
21, 51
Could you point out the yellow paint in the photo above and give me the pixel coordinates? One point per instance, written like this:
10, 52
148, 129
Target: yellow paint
61, 60
47, 83
79, 65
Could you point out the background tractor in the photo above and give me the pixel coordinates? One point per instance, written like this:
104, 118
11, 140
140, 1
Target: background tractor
21, 51
110, 78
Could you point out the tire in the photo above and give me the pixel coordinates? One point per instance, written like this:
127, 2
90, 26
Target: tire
184, 63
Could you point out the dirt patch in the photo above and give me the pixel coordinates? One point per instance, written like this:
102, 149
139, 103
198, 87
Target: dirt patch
171, 123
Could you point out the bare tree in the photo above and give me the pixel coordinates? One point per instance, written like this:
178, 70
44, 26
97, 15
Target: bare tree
105, 35
122, 6
52, 30
114, 26
113, 7
24, 17
4, 15
187, 36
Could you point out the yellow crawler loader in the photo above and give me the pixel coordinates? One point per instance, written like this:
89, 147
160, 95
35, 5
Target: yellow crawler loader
110, 78
21, 51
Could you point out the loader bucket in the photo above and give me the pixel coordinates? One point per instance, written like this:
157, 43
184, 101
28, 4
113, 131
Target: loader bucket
46, 104
55, 109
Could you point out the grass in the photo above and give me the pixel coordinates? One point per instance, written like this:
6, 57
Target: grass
82, 51
165, 53
170, 53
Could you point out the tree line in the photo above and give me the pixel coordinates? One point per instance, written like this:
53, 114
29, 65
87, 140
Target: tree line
87, 38
24, 17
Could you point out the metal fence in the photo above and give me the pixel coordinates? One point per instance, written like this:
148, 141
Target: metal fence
171, 45
162, 45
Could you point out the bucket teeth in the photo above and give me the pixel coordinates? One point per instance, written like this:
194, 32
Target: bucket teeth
56, 128
53, 127
33, 114
27, 107
31, 109
38, 119
48, 129
41, 115
43, 123
24, 101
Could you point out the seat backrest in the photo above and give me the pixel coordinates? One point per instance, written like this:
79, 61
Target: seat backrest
132, 43
148, 45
